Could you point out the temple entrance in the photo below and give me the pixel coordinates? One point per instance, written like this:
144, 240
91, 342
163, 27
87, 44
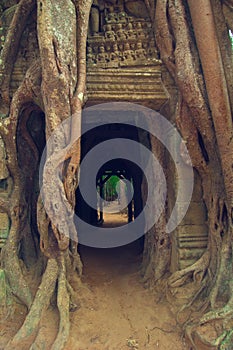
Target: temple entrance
127, 176
118, 185
114, 186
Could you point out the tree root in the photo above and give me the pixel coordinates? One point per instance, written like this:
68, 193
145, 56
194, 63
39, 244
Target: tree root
10, 49
223, 313
197, 270
222, 271
40, 303
189, 305
16, 280
74, 257
12, 268
63, 303
74, 303
224, 341
55, 274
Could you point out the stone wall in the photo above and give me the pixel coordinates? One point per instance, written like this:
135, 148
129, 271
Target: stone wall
189, 240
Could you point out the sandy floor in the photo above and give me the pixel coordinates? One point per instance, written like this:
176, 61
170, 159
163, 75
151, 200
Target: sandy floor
122, 313
117, 312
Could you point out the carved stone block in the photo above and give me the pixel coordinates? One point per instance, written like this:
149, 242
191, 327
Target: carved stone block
4, 228
125, 32
136, 84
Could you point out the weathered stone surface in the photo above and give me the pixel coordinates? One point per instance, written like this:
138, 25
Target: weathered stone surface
141, 84
4, 228
2, 288
194, 231
188, 243
189, 254
122, 59
196, 214
118, 39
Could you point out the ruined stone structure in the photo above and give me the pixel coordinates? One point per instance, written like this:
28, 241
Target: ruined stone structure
122, 65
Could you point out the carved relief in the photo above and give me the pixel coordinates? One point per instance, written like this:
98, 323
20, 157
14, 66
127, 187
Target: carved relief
109, 33
95, 16
117, 39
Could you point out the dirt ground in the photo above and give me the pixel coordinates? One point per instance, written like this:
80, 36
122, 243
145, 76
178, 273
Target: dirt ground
117, 312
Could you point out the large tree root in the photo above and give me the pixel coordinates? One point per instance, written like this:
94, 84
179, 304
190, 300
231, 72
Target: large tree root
224, 340
30, 333
12, 268
16, 280
63, 303
14, 206
226, 343
197, 271
10, 49
41, 302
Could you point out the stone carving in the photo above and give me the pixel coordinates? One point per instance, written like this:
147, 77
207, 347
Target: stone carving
129, 54
152, 51
140, 52
111, 16
95, 16
121, 35
119, 39
122, 17
115, 54
4, 228
102, 57
131, 34
109, 33
142, 34
91, 57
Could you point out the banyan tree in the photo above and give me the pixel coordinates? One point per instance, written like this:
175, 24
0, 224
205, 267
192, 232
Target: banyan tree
172, 56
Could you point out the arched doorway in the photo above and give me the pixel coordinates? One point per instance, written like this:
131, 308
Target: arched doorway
122, 168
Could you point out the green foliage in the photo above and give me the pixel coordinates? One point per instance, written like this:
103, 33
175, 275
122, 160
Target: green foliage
110, 188
113, 182
231, 38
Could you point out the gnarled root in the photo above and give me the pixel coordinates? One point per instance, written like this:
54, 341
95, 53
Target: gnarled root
63, 303
193, 281
197, 270
223, 337
54, 279
40, 303
221, 321
15, 277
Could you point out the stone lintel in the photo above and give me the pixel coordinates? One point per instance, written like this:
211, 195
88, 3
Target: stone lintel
139, 84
